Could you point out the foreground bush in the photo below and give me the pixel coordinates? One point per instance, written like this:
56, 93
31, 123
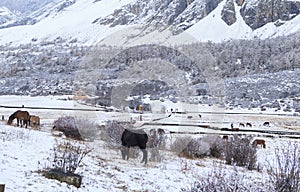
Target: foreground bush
66, 158
221, 180
240, 152
285, 174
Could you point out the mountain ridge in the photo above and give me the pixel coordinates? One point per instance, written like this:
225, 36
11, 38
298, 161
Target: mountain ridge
140, 21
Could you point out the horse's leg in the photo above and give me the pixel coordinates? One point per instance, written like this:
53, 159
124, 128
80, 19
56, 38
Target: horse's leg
145, 156
127, 152
123, 152
18, 122
26, 122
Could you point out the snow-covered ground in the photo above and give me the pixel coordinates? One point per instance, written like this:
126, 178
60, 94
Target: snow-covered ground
24, 152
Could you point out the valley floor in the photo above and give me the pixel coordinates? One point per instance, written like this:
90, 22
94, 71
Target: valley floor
24, 152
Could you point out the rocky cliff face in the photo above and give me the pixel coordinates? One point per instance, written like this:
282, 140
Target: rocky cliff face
228, 13
260, 12
161, 14
179, 15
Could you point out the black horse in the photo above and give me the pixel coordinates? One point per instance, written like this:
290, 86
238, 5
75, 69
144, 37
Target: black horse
134, 138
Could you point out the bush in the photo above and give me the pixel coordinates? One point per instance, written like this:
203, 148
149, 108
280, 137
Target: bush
156, 142
65, 160
220, 180
217, 148
240, 152
76, 128
285, 176
197, 147
87, 129
180, 143
67, 157
112, 132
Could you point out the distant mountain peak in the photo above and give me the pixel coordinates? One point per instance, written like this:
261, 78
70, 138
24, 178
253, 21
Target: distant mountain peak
179, 15
151, 20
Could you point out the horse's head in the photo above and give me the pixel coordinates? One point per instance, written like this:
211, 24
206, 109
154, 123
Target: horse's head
10, 119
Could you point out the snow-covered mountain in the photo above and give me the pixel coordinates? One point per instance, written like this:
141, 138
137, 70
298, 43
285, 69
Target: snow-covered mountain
152, 21
6, 16
24, 6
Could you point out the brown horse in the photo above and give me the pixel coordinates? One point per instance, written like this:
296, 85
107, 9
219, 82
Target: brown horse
261, 142
21, 116
34, 121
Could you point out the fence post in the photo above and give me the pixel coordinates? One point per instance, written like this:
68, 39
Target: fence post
2, 186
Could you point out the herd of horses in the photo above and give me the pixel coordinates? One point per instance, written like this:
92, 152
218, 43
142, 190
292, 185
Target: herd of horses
24, 119
129, 138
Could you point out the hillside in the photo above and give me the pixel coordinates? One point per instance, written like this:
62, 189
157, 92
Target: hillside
139, 21
102, 46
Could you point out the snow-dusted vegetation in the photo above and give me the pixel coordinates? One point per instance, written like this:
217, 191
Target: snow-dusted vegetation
253, 73
212, 85
200, 162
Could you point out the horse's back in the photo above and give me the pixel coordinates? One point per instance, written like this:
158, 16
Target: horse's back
22, 114
132, 138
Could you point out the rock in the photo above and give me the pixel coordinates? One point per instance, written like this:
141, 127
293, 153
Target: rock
69, 178
161, 14
2, 187
260, 13
228, 13
239, 2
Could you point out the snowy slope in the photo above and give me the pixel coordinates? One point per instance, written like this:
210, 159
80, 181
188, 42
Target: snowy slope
213, 28
74, 22
6, 15
77, 21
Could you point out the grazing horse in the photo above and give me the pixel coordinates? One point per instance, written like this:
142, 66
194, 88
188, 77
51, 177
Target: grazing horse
261, 142
267, 124
225, 137
22, 117
235, 129
133, 138
248, 125
34, 121
241, 125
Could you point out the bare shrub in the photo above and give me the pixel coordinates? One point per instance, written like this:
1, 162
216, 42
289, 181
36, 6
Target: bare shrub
285, 175
193, 147
196, 148
66, 159
76, 128
180, 143
87, 128
112, 132
156, 142
220, 180
240, 152
67, 156
217, 148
